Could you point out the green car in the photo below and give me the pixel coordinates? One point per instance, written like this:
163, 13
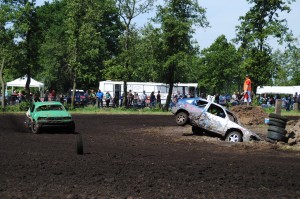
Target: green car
47, 115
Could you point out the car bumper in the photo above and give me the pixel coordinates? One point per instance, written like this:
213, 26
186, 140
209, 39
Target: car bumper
46, 124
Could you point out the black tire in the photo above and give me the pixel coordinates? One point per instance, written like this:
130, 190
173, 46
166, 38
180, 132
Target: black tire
276, 136
277, 120
234, 136
277, 129
279, 124
276, 116
197, 130
79, 144
35, 128
181, 118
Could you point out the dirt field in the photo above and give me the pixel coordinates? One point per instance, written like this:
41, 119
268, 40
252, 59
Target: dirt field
140, 156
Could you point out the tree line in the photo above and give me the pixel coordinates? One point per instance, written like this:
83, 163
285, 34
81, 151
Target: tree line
77, 43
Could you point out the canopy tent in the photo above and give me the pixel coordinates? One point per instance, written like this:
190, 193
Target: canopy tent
21, 82
278, 90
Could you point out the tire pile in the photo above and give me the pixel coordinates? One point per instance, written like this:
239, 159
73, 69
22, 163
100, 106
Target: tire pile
276, 130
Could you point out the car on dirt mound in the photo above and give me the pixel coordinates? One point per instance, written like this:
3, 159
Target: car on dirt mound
49, 114
207, 117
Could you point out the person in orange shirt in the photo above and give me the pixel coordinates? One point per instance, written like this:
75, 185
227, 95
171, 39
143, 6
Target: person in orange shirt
247, 90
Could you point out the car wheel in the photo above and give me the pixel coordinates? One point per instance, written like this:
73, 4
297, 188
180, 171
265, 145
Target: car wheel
277, 129
276, 136
197, 130
274, 123
35, 127
234, 136
181, 118
79, 144
276, 116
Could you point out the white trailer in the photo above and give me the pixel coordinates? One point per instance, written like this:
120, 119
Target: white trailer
116, 88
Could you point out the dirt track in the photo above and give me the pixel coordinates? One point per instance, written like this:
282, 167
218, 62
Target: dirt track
139, 156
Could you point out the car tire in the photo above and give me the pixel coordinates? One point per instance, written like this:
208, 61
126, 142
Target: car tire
276, 116
181, 118
35, 128
274, 123
79, 146
234, 136
276, 136
277, 129
197, 130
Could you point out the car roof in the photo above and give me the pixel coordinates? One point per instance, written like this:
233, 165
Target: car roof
47, 103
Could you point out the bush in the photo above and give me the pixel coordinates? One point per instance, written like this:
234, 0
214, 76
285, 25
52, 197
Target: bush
24, 105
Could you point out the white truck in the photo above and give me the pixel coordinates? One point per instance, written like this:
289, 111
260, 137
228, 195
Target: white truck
116, 88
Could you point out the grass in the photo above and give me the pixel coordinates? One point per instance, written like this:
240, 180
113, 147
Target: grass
283, 112
119, 110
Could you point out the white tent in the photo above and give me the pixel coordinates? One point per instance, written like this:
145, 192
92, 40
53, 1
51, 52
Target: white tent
277, 90
21, 82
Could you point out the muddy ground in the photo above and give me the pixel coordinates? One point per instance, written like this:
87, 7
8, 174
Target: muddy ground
140, 156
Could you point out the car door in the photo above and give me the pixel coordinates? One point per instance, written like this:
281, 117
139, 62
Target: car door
213, 118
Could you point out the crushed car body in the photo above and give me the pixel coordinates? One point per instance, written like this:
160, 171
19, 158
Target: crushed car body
47, 115
206, 116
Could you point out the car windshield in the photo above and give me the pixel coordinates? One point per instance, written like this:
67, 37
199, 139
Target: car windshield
54, 107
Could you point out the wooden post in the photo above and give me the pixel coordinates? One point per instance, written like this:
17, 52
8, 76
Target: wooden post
296, 107
278, 105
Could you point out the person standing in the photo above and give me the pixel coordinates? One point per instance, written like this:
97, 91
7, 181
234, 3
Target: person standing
152, 99
143, 99
129, 98
158, 99
107, 99
99, 95
86, 98
46, 96
247, 90
93, 97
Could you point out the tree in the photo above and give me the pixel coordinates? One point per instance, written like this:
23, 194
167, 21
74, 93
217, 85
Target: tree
98, 30
128, 10
7, 46
87, 45
177, 19
25, 27
220, 65
261, 22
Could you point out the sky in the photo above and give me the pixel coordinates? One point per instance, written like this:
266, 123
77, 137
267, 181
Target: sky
223, 17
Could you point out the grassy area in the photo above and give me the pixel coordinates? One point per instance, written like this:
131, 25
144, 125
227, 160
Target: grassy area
119, 110
283, 112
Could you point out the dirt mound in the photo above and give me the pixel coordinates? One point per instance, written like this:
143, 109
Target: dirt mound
293, 132
252, 115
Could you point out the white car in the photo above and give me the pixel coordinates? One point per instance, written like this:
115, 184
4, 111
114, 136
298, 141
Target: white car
205, 116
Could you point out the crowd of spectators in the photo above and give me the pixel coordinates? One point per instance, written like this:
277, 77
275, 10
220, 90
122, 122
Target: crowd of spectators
90, 97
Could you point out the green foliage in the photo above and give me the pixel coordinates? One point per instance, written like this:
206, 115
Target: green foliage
219, 69
261, 22
177, 19
21, 107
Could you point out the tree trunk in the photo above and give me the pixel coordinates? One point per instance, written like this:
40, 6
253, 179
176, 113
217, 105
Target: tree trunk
2, 85
73, 93
27, 86
125, 94
278, 104
168, 101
